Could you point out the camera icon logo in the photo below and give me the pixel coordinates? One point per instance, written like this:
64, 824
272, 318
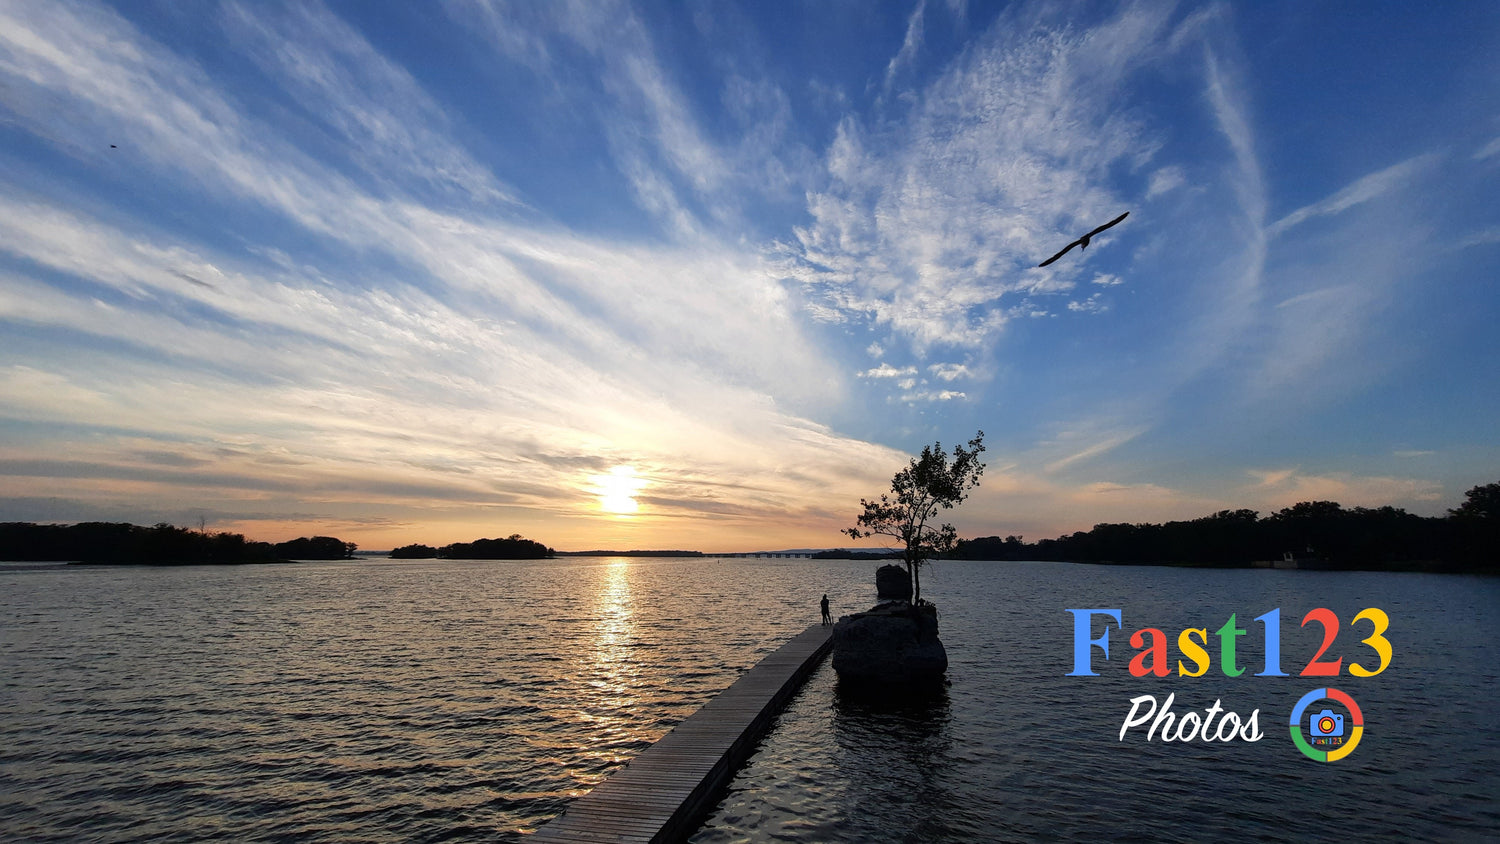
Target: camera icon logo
1326, 728
1326, 724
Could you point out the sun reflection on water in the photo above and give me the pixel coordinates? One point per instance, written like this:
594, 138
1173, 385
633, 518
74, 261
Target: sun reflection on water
616, 620
614, 680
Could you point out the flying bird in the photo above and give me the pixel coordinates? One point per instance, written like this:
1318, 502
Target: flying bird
1083, 242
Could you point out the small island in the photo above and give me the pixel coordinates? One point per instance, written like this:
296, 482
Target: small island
120, 543
513, 547
894, 645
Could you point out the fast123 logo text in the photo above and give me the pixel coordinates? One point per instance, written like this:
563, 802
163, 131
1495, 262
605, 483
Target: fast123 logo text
1326, 724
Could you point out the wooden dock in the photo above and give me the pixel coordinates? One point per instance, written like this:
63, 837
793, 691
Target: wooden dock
663, 794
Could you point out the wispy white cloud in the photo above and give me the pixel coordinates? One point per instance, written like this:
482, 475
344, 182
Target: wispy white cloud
932, 395
885, 370
504, 363
1093, 444
681, 172
402, 401
1481, 238
949, 371
929, 229
1360, 191
1277, 488
1164, 180
1243, 276
383, 119
1092, 305
910, 44
1331, 285
363, 314
544, 277
1031, 503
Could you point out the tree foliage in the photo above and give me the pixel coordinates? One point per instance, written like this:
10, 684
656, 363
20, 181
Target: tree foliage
1480, 503
908, 514
316, 548
1321, 533
513, 547
118, 542
1476, 525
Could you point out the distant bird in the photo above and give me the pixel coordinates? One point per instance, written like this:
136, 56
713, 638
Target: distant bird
1083, 242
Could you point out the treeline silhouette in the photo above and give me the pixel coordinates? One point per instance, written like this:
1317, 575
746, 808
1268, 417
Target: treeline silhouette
513, 547
842, 554
118, 542
1319, 534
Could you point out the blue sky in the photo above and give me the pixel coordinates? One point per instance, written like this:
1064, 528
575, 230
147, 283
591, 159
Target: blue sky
704, 274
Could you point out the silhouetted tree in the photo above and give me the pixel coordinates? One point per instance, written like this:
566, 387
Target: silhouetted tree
1480, 503
1308, 527
112, 542
920, 490
414, 552
1358, 538
513, 547
1477, 527
993, 548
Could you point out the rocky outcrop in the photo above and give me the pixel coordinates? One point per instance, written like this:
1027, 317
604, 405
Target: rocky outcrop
893, 644
892, 583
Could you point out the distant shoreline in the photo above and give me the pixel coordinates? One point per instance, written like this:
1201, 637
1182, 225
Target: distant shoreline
1411, 566
1400, 567
632, 554
175, 563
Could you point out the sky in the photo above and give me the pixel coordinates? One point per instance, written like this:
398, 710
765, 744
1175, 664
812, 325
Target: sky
705, 274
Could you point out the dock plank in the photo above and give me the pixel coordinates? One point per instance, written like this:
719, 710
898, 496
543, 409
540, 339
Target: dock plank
660, 795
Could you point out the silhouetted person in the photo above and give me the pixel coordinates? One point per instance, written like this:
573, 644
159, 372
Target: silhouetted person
827, 619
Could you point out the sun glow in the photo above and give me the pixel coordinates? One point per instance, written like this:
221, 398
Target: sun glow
617, 490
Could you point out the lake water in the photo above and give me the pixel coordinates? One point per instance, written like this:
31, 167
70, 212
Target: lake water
446, 700
1016, 750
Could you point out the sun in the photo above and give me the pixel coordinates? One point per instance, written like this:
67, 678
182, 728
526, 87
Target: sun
617, 490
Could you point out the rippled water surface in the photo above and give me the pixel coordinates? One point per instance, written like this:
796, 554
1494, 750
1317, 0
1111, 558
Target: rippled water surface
1015, 750
425, 701
371, 700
